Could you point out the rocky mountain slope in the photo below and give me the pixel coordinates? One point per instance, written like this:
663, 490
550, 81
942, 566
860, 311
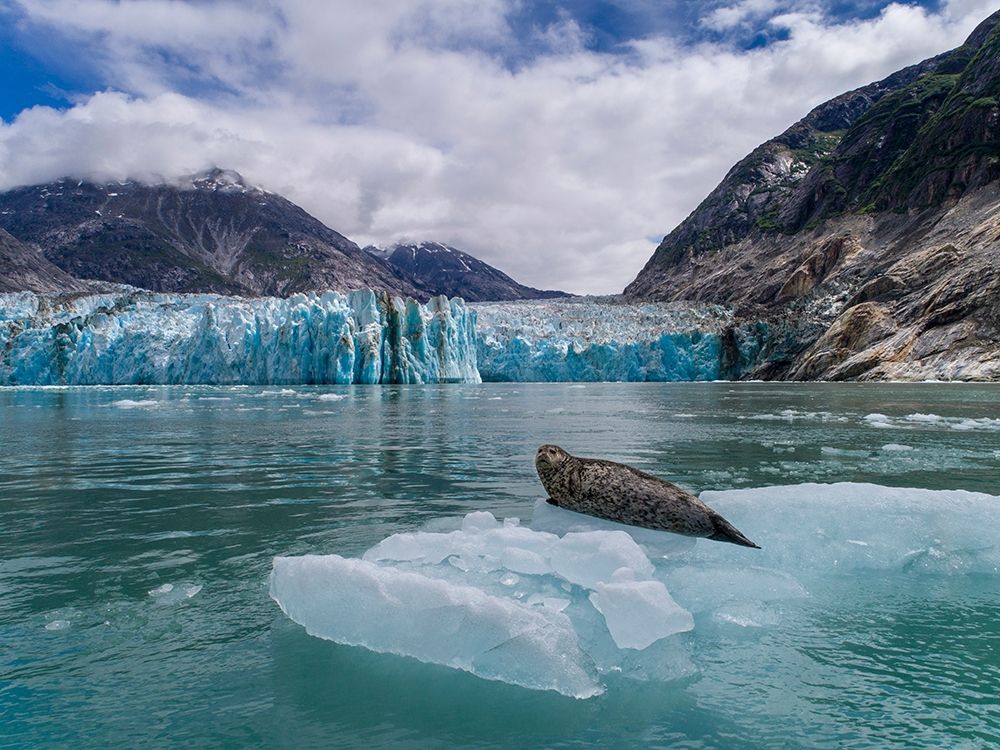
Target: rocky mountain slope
211, 233
24, 268
440, 269
867, 235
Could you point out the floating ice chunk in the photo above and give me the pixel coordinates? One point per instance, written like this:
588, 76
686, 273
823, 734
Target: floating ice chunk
588, 558
470, 596
359, 603
127, 403
843, 452
479, 521
896, 447
57, 625
332, 397
812, 529
921, 420
639, 613
169, 593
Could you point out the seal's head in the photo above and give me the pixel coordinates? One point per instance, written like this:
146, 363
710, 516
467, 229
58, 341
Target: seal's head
548, 460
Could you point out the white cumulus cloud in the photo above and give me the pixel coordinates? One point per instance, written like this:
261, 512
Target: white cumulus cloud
403, 118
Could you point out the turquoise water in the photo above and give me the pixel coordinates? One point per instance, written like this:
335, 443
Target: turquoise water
110, 495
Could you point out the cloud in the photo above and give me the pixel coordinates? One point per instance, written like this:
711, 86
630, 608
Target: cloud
405, 118
730, 16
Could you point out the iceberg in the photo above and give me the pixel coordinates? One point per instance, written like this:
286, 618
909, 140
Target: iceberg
571, 603
135, 337
595, 339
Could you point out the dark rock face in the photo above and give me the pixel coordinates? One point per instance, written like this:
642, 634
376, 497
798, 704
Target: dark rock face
440, 269
213, 233
859, 234
24, 268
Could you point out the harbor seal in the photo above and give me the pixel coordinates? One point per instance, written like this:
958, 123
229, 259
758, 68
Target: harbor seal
617, 492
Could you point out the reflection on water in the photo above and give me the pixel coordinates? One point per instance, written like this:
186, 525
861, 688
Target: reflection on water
107, 495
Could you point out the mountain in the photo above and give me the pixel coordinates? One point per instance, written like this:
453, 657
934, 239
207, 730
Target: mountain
209, 233
866, 237
24, 268
440, 269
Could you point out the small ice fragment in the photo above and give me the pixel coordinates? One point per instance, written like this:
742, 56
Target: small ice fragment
525, 561
479, 521
510, 579
590, 557
191, 590
170, 593
896, 447
508, 522
57, 625
332, 397
639, 613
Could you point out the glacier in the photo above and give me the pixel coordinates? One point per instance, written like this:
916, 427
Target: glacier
131, 337
570, 603
137, 337
606, 339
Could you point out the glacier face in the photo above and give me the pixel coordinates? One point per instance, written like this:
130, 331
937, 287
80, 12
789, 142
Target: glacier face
570, 603
147, 338
588, 339
137, 337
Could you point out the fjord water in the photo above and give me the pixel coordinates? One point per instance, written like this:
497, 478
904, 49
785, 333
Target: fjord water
139, 525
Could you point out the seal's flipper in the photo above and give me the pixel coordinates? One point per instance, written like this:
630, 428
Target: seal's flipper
726, 532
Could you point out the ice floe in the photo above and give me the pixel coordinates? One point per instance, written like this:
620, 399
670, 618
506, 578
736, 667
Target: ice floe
570, 602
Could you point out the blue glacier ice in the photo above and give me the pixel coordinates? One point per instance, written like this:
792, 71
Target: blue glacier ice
594, 339
134, 337
571, 602
137, 337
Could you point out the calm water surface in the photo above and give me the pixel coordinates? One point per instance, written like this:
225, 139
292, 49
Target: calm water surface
138, 526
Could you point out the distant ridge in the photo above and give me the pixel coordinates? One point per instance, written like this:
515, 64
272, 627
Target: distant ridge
442, 269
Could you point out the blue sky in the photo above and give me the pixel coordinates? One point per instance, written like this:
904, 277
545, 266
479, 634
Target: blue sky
558, 141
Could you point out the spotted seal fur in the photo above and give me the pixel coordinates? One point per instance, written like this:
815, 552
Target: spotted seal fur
617, 492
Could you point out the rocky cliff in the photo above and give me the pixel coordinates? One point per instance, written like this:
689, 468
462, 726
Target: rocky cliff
867, 235
24, 268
